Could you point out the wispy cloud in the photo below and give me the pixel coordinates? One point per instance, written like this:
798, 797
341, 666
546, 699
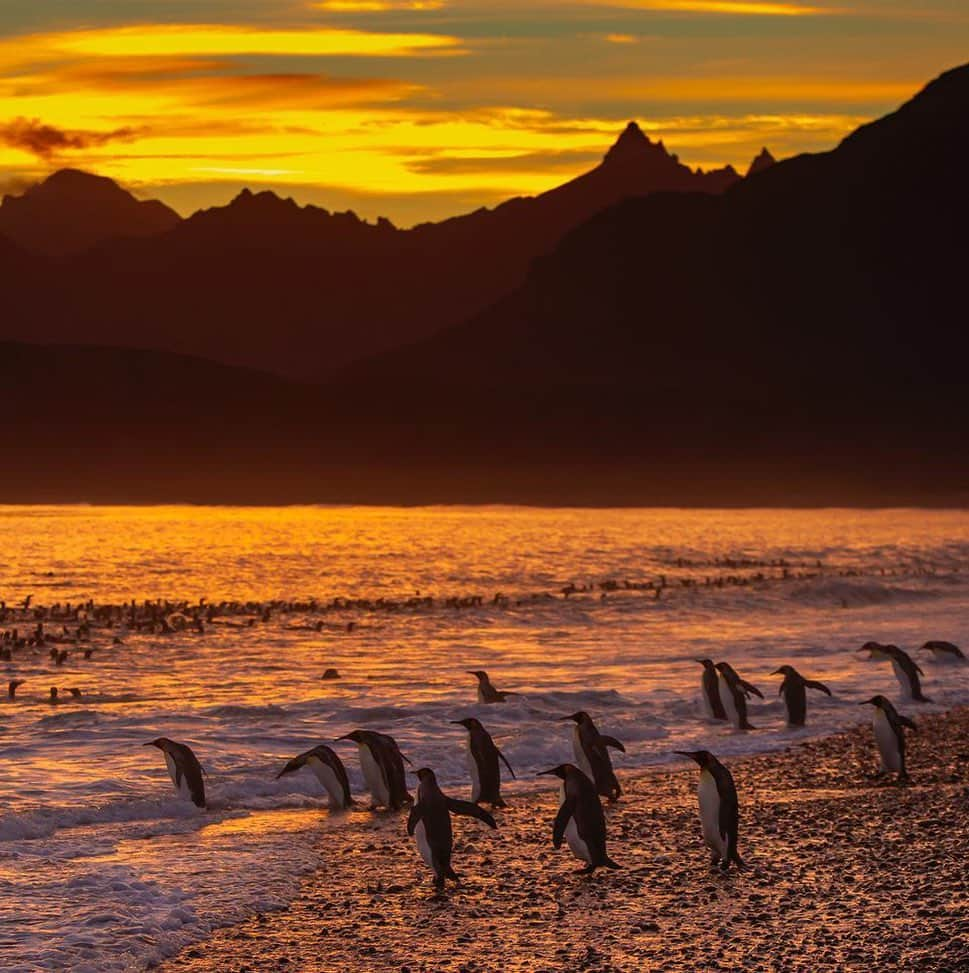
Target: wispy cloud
46, 141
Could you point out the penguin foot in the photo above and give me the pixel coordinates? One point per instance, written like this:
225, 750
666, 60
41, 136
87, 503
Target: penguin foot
715, 861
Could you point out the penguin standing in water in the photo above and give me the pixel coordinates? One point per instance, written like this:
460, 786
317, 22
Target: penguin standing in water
580, 820
183, 767
710, 691
429, 822
486, 691
945, 651
329, 771
888, 725
907, 673
13, 686
483, 764
793, 690
383, 768
719, 808
734, 693
592, 755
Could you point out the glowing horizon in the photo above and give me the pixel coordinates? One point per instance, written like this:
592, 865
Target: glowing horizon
417, 109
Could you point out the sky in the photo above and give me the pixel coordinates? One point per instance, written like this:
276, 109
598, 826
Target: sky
420, 109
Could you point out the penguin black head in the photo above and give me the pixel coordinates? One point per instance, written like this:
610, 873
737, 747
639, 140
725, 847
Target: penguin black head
163, 743
784, 671
53, 692
468, 722
706, 663
425, 775
579, 717
356, 736
874, 649
479, 674
561, 771
724, 667
702, 757
878, 701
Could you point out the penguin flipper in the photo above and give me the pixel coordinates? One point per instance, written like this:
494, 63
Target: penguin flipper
471, 811
508, 765
605, 741
819, 686
561, 820
905, 721
413, 818
751, 689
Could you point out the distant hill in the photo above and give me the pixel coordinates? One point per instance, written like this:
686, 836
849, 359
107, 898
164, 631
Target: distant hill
72, 211
301, 291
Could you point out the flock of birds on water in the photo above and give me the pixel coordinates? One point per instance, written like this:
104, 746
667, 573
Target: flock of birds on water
580, 821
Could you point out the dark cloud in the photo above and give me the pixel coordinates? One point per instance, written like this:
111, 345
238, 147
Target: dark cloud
45, 141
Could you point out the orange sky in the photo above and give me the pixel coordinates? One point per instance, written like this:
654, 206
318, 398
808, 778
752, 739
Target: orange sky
421, 108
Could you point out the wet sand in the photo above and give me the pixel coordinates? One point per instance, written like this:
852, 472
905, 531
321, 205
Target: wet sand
844, 874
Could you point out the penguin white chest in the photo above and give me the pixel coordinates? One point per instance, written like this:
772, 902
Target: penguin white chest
326, 776
726, 697
581, 759
475, 774
887, 742
578, 847
903, 680
420, 836
710, 813
181, 788
374, 777
706, 707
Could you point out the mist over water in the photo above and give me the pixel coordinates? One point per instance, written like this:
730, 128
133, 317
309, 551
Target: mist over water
101, 864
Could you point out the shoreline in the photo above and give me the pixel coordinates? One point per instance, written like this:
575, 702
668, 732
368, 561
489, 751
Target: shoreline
845, 873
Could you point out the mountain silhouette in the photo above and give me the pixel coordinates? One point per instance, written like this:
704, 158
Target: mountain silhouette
71, 211
266, 283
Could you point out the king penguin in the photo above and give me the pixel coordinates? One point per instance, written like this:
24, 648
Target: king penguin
580, 819
719, 808
329, 771
710, 691
486, 691
183, 767
592, 755
429, 822
793, 690
888, 724
907, 673
383, 768
483, 764
945, 651
734, 693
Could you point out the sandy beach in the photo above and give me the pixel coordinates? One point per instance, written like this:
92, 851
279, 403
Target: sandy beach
845, 873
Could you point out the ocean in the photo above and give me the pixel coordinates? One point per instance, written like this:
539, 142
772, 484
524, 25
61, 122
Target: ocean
103, 867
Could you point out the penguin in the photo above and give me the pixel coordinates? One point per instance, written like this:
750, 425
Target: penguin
592, 755
483, 764
184, 768
486, 691
710, 691
888, 725
429, 823
13, 686
734, 693
795, 698
53, 695
945, 651
75, 692
907, 673
383, 768
580, 819
329, 771
719, 808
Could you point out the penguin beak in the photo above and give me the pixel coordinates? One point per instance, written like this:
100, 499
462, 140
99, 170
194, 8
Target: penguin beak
457, 722
777, 672
150, 743
346, 736
687, 754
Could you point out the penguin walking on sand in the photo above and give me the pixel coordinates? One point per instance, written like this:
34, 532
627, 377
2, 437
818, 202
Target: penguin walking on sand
483, 765
329, 771
907, 673
734, 693
719, 808
580, 819
710, 691
183, 767
429, 822
945, 651
592, 755
793, 688
889, 725
382, 764
486, 691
